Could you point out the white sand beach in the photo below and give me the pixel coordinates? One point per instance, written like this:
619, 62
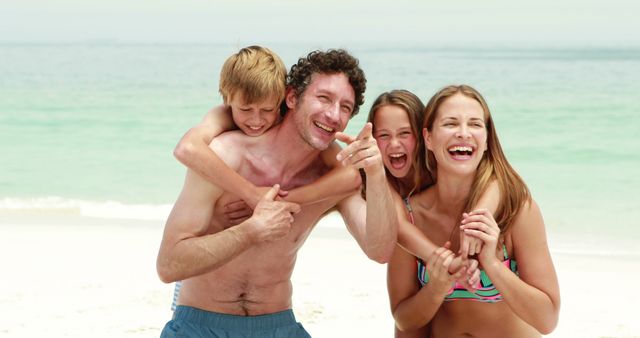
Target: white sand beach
72, 276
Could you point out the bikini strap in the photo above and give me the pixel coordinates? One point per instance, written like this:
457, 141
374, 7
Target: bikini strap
505, 256
409, 209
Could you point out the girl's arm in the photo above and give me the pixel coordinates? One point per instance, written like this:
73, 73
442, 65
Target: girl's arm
489, 200
534, 296
341, 180
193, 151
415, 242
410, 238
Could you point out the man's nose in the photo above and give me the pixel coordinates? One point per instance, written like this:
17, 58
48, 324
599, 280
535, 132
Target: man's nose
333, 112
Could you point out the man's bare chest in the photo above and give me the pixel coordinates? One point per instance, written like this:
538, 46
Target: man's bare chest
265, 174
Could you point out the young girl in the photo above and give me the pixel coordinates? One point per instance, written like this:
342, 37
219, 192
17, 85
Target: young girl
464, 157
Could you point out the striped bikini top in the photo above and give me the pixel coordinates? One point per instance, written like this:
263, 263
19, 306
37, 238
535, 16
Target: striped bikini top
486, 292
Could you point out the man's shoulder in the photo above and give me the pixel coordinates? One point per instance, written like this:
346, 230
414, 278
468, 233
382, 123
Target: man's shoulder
231, 147
230, 138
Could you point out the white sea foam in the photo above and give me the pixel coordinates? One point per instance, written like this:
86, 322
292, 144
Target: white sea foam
104, 209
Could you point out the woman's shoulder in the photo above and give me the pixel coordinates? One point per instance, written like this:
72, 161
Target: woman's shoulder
528, 221
529, 208
424, 199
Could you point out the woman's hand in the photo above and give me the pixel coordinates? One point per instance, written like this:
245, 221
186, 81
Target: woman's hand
481, 224
440, 280
466, 272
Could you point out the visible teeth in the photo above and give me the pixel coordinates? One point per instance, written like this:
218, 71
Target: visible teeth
461, 148
324, 127
396, 155
255, 128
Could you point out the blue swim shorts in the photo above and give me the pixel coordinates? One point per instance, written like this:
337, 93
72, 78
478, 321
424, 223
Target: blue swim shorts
191, 322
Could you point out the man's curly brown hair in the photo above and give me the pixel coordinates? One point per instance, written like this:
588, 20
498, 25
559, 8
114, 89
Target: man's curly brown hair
332, 61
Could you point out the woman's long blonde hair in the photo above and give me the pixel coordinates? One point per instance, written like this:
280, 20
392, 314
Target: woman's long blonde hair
494, 165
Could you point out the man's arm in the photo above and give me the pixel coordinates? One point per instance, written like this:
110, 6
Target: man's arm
374, 224
193, 151
189, 248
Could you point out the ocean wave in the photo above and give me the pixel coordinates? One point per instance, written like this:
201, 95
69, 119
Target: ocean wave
66, 206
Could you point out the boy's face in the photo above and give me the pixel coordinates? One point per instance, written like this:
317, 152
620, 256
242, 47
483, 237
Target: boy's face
254, 118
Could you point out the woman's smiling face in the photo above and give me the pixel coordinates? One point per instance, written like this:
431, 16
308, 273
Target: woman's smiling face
458, 138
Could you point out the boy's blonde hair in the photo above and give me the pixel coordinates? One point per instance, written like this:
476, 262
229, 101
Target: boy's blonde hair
255, 71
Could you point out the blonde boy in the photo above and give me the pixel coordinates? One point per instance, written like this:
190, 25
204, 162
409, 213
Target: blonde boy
252, 85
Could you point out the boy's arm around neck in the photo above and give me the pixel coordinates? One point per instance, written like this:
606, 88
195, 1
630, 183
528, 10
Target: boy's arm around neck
193, 151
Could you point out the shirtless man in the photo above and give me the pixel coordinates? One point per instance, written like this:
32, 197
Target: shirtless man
237, 279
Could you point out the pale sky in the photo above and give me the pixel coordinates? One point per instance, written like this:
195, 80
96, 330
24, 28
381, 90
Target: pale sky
544, 22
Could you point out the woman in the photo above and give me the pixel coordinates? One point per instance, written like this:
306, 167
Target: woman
397, 117
515, 300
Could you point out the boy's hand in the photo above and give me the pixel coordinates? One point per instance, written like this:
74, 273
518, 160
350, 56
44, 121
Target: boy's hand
233, 213
254, 199
236, 212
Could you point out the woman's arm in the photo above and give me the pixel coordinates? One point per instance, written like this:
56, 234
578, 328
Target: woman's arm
414, 241
535, 295
341, 180
193, 151
422, 332
413, 307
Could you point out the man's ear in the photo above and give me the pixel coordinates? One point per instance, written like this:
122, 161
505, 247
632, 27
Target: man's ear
291, 98
427, 138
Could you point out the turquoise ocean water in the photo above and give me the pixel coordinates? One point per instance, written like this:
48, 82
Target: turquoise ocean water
90, 128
